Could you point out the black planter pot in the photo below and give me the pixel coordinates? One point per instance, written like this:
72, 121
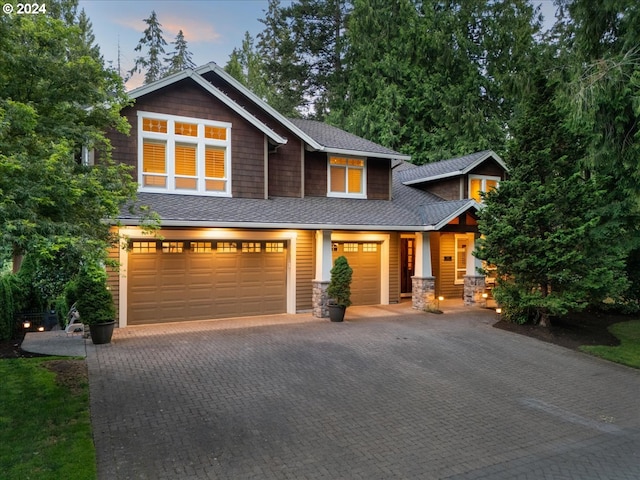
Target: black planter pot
101, 332
336, 313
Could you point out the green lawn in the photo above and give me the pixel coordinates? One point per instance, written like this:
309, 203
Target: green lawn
628, 352
45, 428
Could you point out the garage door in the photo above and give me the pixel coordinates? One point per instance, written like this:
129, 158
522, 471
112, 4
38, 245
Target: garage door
364, 259
170, 281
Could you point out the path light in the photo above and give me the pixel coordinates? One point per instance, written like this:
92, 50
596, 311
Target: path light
499, 311
485, 295
41, 329
26, 324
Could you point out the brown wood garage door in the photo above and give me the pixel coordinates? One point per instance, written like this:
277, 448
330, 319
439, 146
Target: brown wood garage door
364, 259
175, 281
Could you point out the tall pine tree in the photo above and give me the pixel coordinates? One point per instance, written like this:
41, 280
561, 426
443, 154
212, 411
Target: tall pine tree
180, 59
153, 43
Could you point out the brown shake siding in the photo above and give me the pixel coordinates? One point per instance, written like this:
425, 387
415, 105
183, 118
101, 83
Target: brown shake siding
448, 189
188, 99
305, 268
315, 174
378, 179
285, 169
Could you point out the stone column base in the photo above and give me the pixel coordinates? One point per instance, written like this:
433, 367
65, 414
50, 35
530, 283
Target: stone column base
319, 299
474, 287
423, 292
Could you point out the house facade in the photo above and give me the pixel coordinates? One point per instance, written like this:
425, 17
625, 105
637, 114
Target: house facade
254, 208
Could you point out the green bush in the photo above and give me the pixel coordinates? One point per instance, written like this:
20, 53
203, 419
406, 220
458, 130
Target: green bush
94, 300
339, 289
8, 306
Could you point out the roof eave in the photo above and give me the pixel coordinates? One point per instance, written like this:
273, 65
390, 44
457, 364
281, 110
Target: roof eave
456, 213
133, 222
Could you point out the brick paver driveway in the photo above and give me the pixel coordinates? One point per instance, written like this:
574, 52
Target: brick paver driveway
398, 395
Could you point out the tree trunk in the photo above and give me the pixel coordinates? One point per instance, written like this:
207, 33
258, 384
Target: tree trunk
18, 257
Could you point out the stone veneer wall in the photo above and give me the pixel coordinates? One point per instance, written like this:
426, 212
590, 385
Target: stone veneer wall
319, 299
423, 292
474, 287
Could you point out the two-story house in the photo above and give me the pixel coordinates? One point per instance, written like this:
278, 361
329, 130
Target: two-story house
255, 207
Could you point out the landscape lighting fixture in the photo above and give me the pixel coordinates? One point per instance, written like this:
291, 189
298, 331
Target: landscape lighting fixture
26, 324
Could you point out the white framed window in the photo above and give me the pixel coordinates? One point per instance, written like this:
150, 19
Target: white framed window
183, 155
347, 177
481, 183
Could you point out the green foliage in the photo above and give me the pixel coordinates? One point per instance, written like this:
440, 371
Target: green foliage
628, 352
46, 427
93, 299
550, 229
9, 304
181, 57
56, 97
153, 42
339, 289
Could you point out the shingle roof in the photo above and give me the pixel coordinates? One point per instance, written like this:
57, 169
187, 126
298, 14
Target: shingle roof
410, 208
335, 139
446, 168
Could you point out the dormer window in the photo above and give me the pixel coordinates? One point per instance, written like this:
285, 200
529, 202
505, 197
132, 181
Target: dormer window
481, 183
183, 155
347, 177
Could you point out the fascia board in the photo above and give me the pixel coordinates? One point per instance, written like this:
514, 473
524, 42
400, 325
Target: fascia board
213, 67
362, 153
433, 178
281, 225
489, 154
459, 211
164, 82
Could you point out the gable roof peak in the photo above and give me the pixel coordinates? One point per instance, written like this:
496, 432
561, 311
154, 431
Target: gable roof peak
449, 168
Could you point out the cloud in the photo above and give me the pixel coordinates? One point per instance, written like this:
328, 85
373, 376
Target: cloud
194, 30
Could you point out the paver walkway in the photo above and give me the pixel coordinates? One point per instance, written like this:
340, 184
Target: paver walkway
390, 393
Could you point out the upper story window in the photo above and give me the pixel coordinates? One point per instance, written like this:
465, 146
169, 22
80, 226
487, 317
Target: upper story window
347, 177
183, 155
481, 183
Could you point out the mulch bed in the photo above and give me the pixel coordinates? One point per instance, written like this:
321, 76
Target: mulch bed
11, 348
572, 331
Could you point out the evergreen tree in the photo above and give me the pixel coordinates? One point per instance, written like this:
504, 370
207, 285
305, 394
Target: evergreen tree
153, 43
281, 65
431, 78
547, 228
318, 31
181, 57
246, 65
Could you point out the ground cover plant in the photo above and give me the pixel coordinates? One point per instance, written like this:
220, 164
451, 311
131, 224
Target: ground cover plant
45, 427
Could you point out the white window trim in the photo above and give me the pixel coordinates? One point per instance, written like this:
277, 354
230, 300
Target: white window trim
171, 140
483, 179
347, 194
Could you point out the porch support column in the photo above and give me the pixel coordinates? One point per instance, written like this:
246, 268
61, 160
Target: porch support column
474, 283
323, 274
423, 284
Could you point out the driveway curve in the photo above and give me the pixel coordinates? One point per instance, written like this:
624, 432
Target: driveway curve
389, 393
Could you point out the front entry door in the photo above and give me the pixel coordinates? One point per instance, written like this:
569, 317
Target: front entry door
408, 262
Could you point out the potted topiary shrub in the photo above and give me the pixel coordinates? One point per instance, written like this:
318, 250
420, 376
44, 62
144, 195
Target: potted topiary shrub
339, 290
95, 304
